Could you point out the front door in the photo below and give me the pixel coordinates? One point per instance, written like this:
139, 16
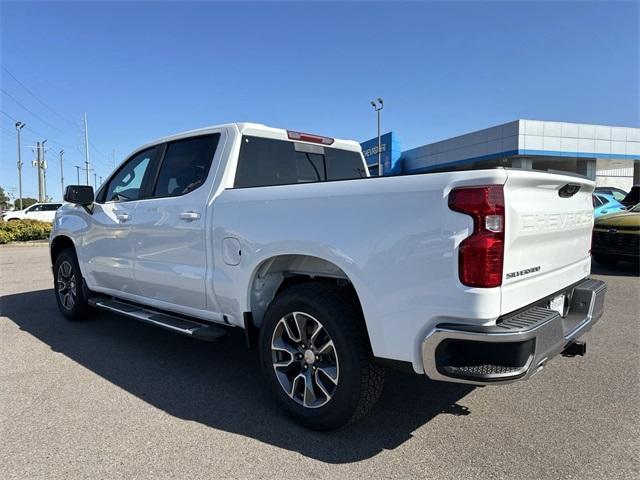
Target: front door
108, 243
170, 226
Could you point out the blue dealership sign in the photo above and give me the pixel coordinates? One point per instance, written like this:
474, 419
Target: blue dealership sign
390, 148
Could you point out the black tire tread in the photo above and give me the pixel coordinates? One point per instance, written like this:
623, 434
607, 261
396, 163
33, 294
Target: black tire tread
342, 303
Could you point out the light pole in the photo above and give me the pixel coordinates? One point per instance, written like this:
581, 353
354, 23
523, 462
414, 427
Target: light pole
378, 108
95, 181
20, 126
62, 173
78, 174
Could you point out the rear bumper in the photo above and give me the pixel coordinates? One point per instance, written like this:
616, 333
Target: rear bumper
518, 346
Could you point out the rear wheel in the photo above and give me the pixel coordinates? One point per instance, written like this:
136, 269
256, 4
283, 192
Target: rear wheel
71, 294
606, 260
316, 356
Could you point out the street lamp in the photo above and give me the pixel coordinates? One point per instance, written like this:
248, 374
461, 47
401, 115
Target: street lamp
378, 107
20, 126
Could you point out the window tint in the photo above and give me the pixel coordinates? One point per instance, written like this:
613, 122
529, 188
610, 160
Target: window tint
265, 161
597, 201
35, 208
126, 185
185, 165
51, 207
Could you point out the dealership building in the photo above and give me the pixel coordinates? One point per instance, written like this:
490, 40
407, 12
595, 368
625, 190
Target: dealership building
609, 155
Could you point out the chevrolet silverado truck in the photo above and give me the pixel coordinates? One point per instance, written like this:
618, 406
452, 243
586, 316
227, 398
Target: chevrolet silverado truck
478, 277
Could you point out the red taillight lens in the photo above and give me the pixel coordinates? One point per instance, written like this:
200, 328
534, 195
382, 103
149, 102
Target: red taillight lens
481, 255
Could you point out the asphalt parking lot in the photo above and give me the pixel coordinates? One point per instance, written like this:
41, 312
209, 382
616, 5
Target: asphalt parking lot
113, 398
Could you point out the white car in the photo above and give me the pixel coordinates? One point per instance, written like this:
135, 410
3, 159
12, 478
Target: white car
477, 277
44, 212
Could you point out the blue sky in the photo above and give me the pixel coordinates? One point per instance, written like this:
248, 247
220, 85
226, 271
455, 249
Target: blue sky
145, 70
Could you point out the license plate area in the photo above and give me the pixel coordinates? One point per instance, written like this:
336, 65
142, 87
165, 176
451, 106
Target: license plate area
558, 304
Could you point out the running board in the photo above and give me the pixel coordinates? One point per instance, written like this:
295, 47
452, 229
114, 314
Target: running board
202, 331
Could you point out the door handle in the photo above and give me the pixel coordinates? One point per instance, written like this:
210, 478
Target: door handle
123, 217
189, 216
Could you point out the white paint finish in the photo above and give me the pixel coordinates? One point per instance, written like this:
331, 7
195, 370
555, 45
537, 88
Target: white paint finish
107, 250
33, 212
546, 231
405, 274
394, 237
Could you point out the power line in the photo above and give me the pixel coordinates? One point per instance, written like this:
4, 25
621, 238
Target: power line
36, 97
34, 114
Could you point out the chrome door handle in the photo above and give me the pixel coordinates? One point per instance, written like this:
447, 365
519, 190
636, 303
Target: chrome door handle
189, 216
123, 217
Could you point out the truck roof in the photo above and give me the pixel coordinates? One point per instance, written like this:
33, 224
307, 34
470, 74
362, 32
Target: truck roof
248, 128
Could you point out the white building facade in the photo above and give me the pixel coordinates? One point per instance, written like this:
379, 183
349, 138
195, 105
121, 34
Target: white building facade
609, 155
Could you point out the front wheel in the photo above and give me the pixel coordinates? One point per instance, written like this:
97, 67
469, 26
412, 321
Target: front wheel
71, 295
316, 356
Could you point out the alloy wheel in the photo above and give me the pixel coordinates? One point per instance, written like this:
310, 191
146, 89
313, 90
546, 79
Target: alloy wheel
305, 359
67, 286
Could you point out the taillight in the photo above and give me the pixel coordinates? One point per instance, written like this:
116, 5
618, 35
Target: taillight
308, 137
481, 255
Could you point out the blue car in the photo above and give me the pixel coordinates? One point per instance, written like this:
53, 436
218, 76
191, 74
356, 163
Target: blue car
604, 204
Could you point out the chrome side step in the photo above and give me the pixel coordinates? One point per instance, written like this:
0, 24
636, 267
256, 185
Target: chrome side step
193, 328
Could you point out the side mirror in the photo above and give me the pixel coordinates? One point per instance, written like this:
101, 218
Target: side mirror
79, 194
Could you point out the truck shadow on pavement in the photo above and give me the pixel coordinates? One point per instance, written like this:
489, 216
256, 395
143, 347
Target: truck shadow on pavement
220, 385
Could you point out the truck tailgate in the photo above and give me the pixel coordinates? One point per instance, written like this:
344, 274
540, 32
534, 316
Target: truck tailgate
548, 218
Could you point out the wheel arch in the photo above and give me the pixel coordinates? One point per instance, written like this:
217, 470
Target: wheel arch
58, 244
278, 272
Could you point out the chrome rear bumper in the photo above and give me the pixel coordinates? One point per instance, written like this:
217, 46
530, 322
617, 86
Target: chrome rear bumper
518, 346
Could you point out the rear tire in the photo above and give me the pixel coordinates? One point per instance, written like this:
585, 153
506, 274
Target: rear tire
69, 287
606, 260
321, 369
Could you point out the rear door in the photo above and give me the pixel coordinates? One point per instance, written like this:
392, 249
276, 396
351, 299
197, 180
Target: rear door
549, 219
170, 225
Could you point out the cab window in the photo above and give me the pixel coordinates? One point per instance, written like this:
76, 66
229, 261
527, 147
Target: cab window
127, 184
185, 165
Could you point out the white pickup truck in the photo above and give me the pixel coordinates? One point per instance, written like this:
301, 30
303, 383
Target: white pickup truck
478, 277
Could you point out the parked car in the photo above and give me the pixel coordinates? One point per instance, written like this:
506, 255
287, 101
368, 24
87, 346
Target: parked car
477, 277
632, 198
616, 193
44, 212
603, 204
616, 237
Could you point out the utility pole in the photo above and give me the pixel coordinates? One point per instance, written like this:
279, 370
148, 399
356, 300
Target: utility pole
78, 174
95, 181
61, 173
38, 165
44, 171
86, 147
20, 126
378, 109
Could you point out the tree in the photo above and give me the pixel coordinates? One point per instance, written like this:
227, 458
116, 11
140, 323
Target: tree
5, 202
26, 202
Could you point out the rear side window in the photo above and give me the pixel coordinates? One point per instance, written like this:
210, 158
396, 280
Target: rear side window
185, 165
264, 161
